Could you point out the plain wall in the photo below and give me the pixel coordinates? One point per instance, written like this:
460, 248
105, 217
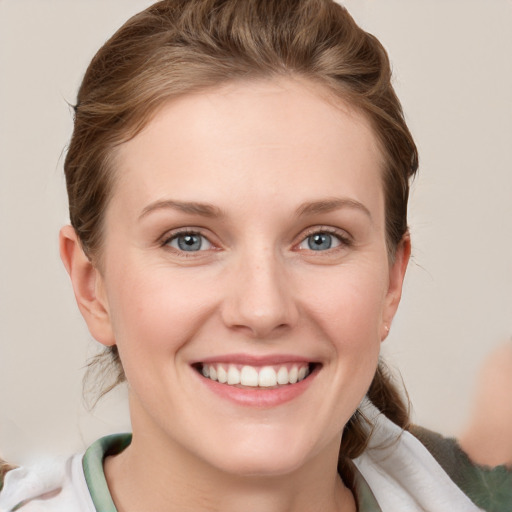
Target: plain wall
453, 72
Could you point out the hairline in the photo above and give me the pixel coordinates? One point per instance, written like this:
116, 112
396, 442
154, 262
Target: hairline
331, 91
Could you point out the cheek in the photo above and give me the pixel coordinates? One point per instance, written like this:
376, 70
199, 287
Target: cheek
155, 311
348, 304
347, 312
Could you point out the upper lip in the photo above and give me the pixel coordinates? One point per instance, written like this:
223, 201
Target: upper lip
254, 360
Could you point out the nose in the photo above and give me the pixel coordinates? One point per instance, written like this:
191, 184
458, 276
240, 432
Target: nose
259, 296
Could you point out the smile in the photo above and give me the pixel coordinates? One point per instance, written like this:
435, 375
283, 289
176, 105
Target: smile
257, 381
268, 376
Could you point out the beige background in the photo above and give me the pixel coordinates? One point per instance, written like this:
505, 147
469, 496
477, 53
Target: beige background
453, 72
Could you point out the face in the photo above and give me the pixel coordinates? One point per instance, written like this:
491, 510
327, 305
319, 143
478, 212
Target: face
245, 277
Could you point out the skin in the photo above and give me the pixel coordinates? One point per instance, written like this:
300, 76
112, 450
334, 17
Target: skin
258, 153
487, 438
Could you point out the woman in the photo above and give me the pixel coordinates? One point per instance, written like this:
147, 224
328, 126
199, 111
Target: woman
238, 184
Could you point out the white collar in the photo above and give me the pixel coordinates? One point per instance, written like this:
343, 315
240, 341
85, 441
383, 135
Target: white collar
403, 475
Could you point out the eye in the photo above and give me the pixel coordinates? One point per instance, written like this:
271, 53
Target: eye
322, 241
189, 242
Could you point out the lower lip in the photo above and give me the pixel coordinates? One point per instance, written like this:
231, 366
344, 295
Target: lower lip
260, 397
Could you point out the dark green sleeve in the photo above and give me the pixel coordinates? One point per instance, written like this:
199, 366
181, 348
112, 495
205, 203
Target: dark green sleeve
488, 488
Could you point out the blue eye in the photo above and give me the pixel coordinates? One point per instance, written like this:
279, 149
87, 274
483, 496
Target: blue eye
320, 241
189, 242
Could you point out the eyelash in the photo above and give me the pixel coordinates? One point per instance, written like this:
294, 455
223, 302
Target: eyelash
344, 239
169, 237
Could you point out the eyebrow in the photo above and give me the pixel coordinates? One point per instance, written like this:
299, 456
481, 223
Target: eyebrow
203, 209
211, 211
331, 204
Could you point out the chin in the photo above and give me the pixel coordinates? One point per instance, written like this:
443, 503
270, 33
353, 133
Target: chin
265, 456
271, 465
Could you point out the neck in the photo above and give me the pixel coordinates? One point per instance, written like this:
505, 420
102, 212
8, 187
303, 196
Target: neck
176, 480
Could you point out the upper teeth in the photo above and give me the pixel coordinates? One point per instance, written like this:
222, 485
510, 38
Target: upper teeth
265, 376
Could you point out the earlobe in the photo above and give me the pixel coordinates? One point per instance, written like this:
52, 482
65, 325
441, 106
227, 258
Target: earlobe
87, 285
397, 272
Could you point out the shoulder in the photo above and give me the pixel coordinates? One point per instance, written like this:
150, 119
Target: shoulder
4, 468
487, 487
417, 470
77, 484
50, 485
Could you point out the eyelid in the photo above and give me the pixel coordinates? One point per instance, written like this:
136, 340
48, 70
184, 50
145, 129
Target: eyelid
168, 236
343, 236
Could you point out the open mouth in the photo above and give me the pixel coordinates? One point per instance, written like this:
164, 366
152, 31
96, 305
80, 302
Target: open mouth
268, 376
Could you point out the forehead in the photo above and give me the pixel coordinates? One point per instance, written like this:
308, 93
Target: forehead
274, 137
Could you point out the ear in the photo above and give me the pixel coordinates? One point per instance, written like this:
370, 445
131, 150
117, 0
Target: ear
88, 286
397, 271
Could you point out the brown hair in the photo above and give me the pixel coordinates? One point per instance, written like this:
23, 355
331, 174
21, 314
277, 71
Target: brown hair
178, 46
4, 469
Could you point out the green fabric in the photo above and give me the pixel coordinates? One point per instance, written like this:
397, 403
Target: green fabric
111, 445
488, 488
92, 463
366, 501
